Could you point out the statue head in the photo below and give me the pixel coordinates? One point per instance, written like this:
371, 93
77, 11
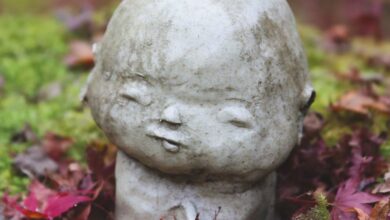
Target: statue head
218, 94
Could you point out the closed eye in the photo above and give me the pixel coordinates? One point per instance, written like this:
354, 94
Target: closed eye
240, 123
136, 93
237, 116
129, 97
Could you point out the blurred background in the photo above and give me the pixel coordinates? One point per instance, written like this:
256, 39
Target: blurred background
362, 17
45, 57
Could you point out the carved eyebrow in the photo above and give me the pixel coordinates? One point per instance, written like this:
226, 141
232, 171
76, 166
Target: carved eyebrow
239, 100
138, 76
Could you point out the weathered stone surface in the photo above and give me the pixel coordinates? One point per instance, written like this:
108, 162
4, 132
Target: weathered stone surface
204, 98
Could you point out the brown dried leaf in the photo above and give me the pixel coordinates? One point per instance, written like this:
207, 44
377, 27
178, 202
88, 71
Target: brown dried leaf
361, 215
381, 210
35, 162
337, 39
80, 55
360, 103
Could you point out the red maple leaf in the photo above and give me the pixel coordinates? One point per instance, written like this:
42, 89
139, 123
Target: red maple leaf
349, 199
44, 203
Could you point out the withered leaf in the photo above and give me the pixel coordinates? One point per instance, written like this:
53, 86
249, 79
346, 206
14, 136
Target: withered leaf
360, 103
381, 210
34, 162
80, 55
349, 200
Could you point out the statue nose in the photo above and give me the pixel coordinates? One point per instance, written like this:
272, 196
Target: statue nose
171, 115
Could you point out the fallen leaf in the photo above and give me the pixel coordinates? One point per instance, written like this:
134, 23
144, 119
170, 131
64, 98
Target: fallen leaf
74, 192
80, 22
361, 215
84, 213
314, 164
80, 55
381, 210
25, 135
49, 92
55, 145
312, 124
59, 204
383, 187
34, 162
101, 159
337, 39
10, 210
360, 103
355, 76
349, 200
43, 203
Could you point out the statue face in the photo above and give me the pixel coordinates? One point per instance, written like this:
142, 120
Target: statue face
208, 106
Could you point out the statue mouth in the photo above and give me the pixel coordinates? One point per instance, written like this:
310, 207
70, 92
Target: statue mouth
171, 146
168, 144
172, 141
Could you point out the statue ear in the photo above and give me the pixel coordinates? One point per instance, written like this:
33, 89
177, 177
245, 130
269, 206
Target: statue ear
84, 90
309, 96
95, 49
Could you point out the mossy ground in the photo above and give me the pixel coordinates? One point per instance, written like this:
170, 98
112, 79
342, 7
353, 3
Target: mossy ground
31, 57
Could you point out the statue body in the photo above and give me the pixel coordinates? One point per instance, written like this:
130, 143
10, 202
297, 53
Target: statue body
205, 99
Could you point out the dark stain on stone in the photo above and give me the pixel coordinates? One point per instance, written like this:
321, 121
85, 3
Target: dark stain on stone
269, 33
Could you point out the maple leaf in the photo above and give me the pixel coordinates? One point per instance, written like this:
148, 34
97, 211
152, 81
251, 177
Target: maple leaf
57, 205
56, 145
381, 210
360, 103
314, 165
44, 203
74, 193
349, 201
101, 159
34, 162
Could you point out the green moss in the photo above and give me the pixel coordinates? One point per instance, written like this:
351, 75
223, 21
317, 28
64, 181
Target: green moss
319, 212
31, 53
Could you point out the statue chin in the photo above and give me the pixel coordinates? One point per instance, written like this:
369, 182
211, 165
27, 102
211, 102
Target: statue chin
205, 99
145, 194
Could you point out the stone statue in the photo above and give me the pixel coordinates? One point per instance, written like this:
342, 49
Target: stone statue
204, 98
